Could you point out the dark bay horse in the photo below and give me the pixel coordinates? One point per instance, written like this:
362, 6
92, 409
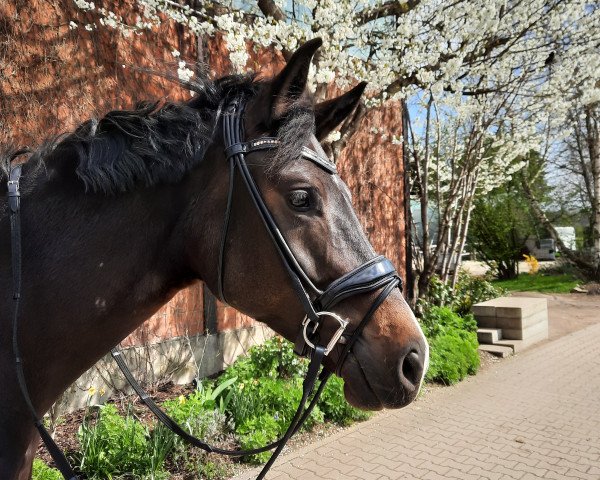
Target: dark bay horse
127, 210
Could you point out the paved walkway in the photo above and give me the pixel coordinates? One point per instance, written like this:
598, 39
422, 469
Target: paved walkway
534, 415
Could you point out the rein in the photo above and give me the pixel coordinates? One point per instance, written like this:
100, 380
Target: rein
375, 274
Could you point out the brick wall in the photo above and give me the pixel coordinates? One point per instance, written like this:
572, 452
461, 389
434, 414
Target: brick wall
53, 77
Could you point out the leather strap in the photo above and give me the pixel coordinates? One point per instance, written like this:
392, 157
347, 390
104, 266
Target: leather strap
366, 278
298, 420
270, 143
14, 201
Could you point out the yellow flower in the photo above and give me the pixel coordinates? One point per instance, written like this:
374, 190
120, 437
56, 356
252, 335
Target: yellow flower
533, 264
91, 391
102, 392
181, 399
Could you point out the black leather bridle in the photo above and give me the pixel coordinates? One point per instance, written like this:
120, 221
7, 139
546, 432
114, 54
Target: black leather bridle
376, 274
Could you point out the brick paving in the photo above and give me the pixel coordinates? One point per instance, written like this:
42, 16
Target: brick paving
534, 415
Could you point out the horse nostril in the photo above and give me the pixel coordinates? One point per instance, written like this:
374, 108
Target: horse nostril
411, 369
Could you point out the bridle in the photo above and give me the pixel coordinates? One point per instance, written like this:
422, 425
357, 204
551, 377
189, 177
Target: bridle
375, 274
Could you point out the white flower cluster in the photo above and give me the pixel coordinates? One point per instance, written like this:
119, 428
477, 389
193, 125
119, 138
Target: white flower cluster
183, 72
507, 68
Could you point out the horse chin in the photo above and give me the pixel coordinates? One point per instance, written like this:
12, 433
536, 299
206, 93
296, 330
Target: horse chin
363, 390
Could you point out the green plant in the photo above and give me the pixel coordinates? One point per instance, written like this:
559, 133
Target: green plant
453, 345
275, 358
210, 470
468, 290
267, 394
257, 432
41, 471
276, 397
502, 220
335, 407
453, 356
205, 398
202, 414
114, 445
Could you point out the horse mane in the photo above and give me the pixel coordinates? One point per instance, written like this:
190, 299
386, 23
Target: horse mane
157, 142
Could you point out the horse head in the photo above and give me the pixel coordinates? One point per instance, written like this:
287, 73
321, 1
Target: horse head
311, 210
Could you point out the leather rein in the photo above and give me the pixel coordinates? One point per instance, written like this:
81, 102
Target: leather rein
376, 274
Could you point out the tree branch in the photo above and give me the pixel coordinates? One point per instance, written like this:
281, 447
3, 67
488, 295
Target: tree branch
388, 9
270, 9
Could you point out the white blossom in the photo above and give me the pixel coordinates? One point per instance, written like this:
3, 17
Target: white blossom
183, 72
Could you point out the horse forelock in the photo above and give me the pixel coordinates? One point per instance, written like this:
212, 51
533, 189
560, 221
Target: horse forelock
294, 132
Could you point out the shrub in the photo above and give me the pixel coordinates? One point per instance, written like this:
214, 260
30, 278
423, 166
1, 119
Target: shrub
334, 406
257, 432
453, 345
41, 471
196, 410
275, 358
468, 290
268, 390
117, 445
276, 397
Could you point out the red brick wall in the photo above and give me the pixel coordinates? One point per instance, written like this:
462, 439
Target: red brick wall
52, 78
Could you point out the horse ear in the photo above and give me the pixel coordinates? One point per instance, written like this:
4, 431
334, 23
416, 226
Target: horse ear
289, 85
331, 113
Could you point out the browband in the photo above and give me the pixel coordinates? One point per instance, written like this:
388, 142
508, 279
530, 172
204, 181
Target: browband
269, 143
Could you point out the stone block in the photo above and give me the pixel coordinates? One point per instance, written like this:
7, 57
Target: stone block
531, 331
488, 335
520, 345
497, 350
486, 321
521, 323
520, 307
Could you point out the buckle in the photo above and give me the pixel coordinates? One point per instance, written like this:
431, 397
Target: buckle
335, 337
13, 188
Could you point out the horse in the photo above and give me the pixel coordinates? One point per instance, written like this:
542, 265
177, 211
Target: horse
125, 211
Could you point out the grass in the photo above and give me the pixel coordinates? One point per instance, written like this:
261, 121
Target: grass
539, 282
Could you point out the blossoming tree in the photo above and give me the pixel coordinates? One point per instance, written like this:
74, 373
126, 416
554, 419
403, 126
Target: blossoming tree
483, 81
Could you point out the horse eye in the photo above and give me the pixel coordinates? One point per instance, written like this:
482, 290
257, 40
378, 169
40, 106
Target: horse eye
299, 200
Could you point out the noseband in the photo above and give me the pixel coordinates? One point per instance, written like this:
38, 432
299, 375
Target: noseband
376, 274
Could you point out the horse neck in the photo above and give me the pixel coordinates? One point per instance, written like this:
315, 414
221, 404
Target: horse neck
95, 267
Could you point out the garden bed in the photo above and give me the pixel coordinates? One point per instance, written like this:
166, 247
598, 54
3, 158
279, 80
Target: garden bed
250, 404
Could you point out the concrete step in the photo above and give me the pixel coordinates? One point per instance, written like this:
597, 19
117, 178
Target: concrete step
489, 335
497, 350
520, 345
510, 307
512, 313
533, 331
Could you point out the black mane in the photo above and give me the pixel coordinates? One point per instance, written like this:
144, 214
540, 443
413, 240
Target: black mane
158, 143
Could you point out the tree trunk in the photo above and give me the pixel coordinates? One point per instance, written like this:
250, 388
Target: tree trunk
593, 143
590, 268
